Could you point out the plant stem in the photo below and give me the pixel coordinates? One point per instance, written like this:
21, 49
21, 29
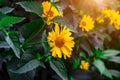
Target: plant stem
32, 43
29, 39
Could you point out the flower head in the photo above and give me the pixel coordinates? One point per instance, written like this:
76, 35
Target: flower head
84, 65
49, 11
114, 17
86, 24
111, 14
99, 19
60, 41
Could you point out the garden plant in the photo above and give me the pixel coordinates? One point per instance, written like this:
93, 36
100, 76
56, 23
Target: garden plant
59, 39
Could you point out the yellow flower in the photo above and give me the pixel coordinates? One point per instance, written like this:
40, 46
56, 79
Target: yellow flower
84, 65
117, 23
111, 14
86, 24
49, 11
99, 19
60, 41
114, 17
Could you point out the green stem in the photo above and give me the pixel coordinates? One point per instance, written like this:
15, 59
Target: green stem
5, 32
28, 40
32, 43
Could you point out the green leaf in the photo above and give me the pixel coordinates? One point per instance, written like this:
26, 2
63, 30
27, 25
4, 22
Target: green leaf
25, 76
115, 59
39, 56
9, 20
2, 15
13, 40
115, 73
29, 29
6, 10
83, 55
110, 53
32, 64
31, 6
2, 2
59, 68
99, 64
71, 78
45, 45
98, 52
76, 63
107, 74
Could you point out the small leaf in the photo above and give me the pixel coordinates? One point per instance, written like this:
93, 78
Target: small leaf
13, 40
38, 56
9, 20
31, 6
98, 52
76, 63
99, 64
83, 55
115, 73
107, 74
110, 53
59, 68
28, 66
71, 78
6, 10
115, 59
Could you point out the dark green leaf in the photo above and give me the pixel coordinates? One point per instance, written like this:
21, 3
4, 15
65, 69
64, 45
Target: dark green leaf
2, 15
6, 10
45, 45
33, 64
115, 59
59, 68
28, 55
99, 64
25, 76
110, 53
107, 74
71, 78
115, 73
13, 40
9, 21
38, 56
29, 29
31, 6
98, 52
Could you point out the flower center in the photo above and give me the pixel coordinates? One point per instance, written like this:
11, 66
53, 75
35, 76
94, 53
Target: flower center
49, 13
59, 42
83, 23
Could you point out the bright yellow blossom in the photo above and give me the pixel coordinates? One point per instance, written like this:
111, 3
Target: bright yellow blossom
114, 17
49, 11
84, 65
111, 14
117, 23
86, 24
100, 20
61, 42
